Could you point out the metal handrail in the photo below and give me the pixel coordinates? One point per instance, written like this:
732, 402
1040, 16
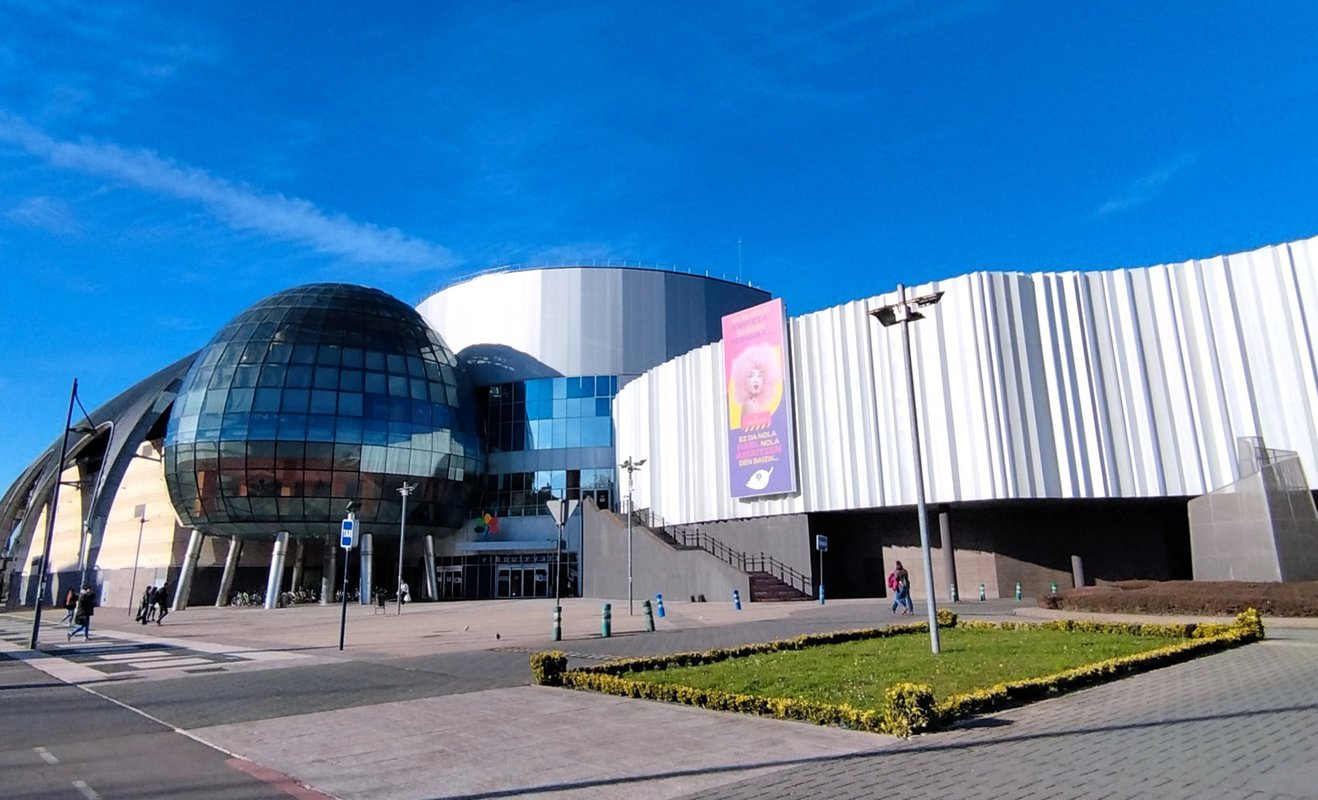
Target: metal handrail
737, 558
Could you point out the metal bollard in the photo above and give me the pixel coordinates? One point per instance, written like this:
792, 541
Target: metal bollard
659, 603
736, 599
606, 621
1018, 590
648, 610
821, 594
955, 597
558, 623
1054, 589
981, 593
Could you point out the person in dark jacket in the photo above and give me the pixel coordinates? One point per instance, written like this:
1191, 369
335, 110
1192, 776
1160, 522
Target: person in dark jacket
70, 606
147, 608
162, 602
82, 616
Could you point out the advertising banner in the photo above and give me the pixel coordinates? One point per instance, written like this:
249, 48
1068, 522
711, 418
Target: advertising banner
761, 453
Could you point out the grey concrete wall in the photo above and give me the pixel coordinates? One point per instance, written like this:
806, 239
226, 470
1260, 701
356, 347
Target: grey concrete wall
657, 567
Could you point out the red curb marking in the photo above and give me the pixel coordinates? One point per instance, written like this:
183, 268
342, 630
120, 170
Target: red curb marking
278, 780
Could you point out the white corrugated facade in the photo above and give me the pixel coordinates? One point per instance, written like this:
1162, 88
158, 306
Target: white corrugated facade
1127, 383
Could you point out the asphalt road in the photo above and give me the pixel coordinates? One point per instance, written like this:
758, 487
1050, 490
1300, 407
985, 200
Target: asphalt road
61, 741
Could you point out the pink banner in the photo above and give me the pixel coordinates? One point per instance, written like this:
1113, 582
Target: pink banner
761, 454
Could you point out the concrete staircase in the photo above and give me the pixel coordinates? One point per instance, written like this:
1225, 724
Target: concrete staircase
767, 588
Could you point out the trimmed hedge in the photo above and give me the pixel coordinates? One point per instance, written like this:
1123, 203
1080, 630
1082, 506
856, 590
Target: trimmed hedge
908, 708
1206, 598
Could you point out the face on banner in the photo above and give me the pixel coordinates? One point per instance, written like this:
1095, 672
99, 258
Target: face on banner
760, 452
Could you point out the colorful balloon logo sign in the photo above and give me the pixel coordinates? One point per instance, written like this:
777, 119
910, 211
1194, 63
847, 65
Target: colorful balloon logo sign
485, 524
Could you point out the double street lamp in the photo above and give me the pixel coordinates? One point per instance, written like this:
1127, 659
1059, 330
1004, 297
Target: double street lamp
903, 313
631, 467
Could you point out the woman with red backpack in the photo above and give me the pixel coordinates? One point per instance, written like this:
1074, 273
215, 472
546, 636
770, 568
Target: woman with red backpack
899, 581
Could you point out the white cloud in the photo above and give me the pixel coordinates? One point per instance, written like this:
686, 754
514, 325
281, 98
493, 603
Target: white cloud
45, 213
1147, 187
238, 205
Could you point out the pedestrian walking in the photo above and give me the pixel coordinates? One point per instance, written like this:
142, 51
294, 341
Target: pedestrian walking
82, 617
162, 602
899, 580
147, 608
70, 606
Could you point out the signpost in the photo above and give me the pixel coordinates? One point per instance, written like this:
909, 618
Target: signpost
347, 540
821, 544
561, 509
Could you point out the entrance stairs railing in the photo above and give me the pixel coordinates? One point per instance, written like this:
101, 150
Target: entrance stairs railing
687, 537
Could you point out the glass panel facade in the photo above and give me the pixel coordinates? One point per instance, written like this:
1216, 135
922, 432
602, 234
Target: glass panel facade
550, 413
314, 397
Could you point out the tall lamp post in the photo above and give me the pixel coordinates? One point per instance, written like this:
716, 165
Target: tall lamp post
50, 516
406, 491
904, 312
140, 512
631, 467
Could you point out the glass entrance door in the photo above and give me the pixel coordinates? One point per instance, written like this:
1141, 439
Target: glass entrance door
521, 580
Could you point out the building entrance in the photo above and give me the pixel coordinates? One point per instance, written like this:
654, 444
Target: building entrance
521, 580
450, 583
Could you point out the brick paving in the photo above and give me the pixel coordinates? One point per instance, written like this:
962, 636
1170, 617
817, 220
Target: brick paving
1241, 724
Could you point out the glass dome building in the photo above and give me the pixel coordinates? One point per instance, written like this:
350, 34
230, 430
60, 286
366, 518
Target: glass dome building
316, 397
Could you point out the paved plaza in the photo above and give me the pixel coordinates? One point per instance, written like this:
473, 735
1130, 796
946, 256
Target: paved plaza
436, 702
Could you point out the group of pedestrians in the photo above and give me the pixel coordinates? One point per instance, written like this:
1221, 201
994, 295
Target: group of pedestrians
154, 605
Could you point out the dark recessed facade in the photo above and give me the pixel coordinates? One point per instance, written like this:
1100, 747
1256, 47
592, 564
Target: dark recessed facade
315, 397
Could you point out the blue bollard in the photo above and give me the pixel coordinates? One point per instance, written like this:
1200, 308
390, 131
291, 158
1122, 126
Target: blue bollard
981, 593
558, 623
956, 598
736, 599
648, 610
606, 621
659, 603
1018, 590
1054, 588
821, 594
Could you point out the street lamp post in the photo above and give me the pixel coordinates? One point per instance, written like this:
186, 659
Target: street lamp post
50, 516
631, 467
904, 312
405, 490
132, 584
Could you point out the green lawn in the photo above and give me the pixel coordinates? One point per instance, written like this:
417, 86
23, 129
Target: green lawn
857, 673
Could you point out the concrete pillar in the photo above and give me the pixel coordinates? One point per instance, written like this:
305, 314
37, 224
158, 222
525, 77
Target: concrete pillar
368, 575
299, 561
432, 586
180, 599
230, 567
274, 580
330, 579
949, 555
1077, 571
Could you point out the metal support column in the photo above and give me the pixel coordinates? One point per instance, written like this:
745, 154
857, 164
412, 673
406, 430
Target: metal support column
274, 581
299, 562
367, 582
329, 570
230, 567
180, 598
432, 585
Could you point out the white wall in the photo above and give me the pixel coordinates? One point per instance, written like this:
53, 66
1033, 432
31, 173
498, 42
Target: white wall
1124, 383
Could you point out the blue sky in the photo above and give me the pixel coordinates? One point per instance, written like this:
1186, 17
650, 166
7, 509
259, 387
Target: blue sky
165, 165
